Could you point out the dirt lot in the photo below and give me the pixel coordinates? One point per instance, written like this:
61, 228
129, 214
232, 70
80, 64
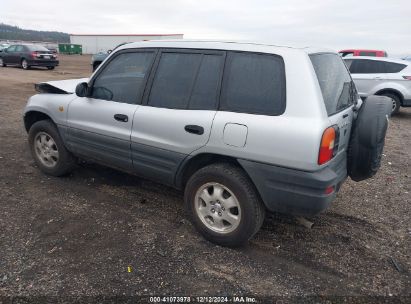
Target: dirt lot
77, 236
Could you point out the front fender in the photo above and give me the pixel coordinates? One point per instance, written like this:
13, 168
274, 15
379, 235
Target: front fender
53, 105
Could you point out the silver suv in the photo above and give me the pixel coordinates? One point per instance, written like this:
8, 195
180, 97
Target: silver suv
240, 127
382, 76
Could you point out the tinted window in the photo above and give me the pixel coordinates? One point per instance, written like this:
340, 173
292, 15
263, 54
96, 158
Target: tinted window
254, 83
335, 82
11, 48
19, 48
391, 67
364, 66
122, 79
186, 81
372, 54
348, 63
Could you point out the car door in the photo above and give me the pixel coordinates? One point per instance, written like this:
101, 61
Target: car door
8, 54
177, 112
99, 126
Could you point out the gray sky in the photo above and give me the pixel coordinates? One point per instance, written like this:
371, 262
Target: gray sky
376, 24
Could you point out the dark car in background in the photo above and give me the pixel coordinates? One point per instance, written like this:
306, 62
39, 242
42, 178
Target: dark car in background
98, 58
28, 55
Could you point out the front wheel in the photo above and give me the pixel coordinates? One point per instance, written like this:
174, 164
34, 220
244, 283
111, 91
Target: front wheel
48, 150
25, 64
224, 205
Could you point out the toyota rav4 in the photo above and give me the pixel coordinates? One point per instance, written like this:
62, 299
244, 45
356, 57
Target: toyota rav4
241, 128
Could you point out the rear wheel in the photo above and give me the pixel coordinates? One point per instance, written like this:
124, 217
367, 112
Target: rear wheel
48, 149
224, 205
396, 103
25, 64
50, 68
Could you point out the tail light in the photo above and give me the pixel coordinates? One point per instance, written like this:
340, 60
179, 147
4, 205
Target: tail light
34, 54
329, 144
407, 77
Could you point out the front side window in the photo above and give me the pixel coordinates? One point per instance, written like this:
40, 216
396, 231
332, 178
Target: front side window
187, 81
366, 66
123, 78
254, 83
11, 49
335, 82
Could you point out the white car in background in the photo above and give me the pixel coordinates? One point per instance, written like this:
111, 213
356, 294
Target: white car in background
382, 76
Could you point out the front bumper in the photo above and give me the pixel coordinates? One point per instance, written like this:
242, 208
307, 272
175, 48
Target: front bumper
297, 192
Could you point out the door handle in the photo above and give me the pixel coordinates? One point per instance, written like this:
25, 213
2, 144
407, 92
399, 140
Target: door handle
194, 129
121, 117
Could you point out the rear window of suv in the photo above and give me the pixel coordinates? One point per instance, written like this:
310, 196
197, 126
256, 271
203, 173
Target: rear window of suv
335, 81
254, 84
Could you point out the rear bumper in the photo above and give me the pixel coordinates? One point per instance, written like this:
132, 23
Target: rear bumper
44, 63
297, 192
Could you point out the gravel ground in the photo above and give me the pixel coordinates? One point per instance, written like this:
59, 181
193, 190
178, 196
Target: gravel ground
79, 236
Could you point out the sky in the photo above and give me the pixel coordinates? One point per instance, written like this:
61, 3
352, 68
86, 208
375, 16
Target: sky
343, 24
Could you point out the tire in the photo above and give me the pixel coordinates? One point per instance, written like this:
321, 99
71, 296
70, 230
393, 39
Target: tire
50, 68
25, 64
2, 63
368, 138
396, 102
45, 141
226, 185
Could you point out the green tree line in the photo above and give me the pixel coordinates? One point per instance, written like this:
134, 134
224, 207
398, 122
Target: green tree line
9, 32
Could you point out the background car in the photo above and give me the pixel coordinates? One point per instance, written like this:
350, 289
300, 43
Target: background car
98, 58
407, 58
4, 46
28, 55
382, 76
371, 53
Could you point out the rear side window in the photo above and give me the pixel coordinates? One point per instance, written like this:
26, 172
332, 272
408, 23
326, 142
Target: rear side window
187, 81
392, 67
334, 80
254, 83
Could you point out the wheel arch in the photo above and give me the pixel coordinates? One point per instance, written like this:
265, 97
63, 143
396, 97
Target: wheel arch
32, 117
391, 91
193, 163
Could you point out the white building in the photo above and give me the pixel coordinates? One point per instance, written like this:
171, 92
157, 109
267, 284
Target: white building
93, 44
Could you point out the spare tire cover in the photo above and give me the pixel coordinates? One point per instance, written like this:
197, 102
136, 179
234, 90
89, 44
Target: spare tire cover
368, 137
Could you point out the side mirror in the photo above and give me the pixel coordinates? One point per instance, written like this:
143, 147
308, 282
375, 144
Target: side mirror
82, 89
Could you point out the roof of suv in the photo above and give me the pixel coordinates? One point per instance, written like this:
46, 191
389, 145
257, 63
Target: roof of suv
387, 59
221, 44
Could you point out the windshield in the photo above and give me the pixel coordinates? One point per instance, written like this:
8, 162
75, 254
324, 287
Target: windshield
336, 85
